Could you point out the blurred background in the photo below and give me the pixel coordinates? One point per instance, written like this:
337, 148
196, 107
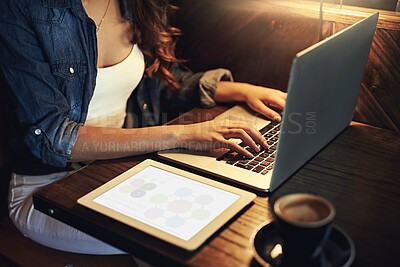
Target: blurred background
378, 4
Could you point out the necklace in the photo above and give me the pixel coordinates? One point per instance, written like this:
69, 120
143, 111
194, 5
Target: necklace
98, 26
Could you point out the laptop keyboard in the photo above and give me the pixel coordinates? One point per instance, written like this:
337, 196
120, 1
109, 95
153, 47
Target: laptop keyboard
263, 161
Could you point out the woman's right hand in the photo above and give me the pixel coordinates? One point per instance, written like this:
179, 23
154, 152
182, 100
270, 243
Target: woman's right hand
216, 134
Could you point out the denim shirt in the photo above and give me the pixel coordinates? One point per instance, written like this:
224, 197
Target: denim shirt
48, 54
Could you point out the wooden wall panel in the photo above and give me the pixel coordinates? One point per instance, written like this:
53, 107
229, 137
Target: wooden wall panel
257, 45
379, 101
258, 39
378, 4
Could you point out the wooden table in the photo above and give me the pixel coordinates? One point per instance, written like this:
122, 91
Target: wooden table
359, 172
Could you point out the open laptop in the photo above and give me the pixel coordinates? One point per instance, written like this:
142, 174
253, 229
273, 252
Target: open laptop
322, 93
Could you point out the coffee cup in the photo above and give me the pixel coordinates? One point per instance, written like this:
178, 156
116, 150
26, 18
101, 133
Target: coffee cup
304, 223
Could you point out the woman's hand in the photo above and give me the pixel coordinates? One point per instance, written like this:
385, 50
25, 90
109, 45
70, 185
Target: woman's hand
261, 99
218, 133
258, 98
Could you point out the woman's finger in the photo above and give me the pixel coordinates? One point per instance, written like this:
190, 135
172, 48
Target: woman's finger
260, 107
244, 136
282, 94
235, 147
276, 101
255, 135
222, 142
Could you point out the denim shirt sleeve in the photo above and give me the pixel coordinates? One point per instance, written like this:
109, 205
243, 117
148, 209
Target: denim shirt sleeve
208, 85
42, 109
198, 89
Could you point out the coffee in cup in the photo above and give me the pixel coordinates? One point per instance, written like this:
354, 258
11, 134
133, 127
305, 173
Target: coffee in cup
304, 223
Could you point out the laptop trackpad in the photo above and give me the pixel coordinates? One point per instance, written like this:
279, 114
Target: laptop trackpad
200, 158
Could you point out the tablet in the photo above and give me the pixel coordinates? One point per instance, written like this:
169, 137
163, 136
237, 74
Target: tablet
176, 206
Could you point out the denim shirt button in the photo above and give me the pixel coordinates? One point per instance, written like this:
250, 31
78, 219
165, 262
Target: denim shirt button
144, 106
71, 70
38, 132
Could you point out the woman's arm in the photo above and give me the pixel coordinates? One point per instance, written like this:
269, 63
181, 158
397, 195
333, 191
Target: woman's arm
197, 89
106, 143
42, 110
257, 97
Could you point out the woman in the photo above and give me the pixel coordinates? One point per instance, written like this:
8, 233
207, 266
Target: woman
71, 67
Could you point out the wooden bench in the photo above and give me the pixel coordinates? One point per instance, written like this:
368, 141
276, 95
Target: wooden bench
21, 251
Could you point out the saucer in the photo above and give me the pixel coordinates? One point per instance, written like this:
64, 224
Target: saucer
339, 250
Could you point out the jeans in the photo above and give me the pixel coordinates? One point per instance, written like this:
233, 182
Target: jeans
44, 229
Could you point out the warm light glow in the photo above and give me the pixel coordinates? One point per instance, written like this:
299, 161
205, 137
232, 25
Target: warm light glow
276, 251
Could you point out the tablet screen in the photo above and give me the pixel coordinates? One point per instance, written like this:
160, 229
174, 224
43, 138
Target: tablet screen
167, 201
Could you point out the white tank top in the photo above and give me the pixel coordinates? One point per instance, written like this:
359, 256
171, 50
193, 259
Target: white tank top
114, 85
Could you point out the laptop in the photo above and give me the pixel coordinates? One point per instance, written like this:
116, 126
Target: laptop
322, 93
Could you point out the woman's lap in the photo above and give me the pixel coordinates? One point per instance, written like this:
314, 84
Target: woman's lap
44, 229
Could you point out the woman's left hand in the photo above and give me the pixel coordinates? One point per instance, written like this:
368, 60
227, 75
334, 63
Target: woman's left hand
261, 99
